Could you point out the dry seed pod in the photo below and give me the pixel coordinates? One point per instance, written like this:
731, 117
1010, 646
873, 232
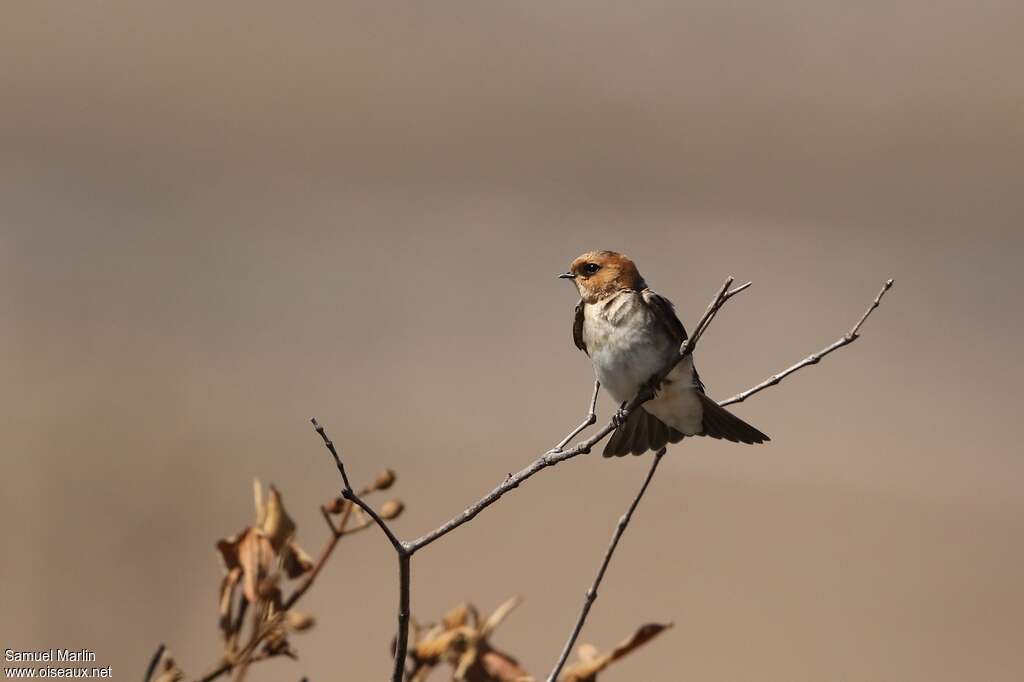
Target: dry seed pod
298, 621
391, 509
384, 480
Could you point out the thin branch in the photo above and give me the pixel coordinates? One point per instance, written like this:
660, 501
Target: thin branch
349, 494
591, 595
151, 668
222, 668
590, 419
334, 453
401, 549
813, 358
337, 532
402, 638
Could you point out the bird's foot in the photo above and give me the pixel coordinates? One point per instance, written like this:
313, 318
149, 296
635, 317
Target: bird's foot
620, 416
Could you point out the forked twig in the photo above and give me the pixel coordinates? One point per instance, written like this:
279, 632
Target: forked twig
813, 358
403, 552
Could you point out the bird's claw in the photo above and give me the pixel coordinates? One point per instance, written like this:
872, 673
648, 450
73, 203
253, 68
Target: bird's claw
620, 416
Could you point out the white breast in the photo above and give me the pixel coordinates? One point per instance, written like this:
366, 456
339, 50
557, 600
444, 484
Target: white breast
627, 346
625, 343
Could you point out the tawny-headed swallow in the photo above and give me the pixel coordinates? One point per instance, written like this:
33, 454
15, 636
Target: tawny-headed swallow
631, 333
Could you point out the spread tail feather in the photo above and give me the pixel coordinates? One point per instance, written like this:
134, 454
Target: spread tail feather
641, 431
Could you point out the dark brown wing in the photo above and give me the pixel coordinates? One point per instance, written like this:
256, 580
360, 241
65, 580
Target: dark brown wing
720, 423
577, 328
665, 313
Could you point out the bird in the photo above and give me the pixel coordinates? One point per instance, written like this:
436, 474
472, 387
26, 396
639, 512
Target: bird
630, 334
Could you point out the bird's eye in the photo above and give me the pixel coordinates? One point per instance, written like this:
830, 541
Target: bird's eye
591, 268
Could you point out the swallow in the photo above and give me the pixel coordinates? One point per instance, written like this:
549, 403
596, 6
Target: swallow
630, 333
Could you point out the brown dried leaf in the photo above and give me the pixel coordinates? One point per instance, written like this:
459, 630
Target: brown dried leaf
228, 548
457, 617
257, 497
168, 670
295, 561
644, 634
444, 644
421, 672
276, 524
463, 664
587, 652
255, 556
586, 669
501, 667
499, 614
228, 587
298, 621
269, 588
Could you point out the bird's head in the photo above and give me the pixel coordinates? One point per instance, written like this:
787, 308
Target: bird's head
598, 274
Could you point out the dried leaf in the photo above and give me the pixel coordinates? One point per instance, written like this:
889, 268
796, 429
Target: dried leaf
587, 652
586, 669
277, 525
501, 667
462, 666
298, 621
457, 617
255, 556
644, 634
269, 589
168, 670
444, 644
421, 672
228, 548
257, 497
499, 614
295, 561
228, 587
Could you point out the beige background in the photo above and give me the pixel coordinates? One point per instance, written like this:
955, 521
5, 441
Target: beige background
217, 221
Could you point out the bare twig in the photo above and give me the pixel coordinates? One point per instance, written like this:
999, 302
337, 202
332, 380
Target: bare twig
591, 595
401, 549
590, 419
813, 358
337, 532
151, 668
349, 494
215, 672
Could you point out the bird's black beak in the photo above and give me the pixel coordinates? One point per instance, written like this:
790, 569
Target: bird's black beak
567, 275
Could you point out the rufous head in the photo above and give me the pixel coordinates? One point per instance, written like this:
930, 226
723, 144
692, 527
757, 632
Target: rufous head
598, 274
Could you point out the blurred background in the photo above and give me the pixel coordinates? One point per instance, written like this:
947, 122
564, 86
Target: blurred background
217, 221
